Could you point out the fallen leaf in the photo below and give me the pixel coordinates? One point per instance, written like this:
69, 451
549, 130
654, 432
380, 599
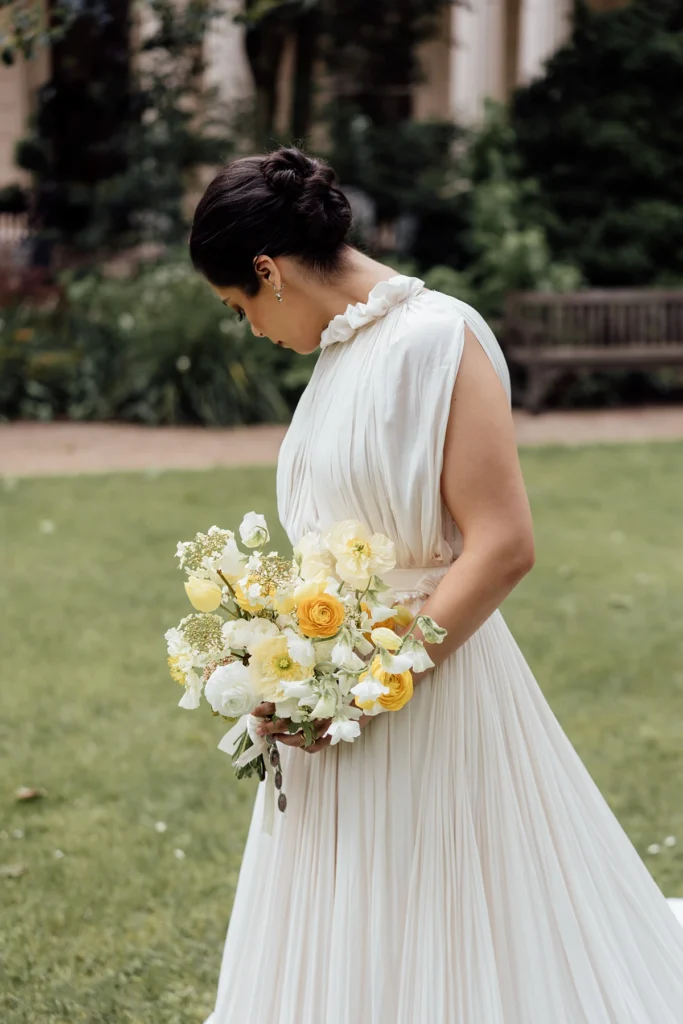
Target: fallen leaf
29, 793
13, 870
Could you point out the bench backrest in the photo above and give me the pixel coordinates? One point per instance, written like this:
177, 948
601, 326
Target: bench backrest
610, 317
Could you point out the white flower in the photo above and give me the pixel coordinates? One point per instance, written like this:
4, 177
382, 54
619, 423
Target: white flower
303, 692
126, 322
368, 693
359, 553
183, 364
18, 833
231, 560
190, 700
344, 725
395, 663
229, 690
414, 649
47, 526
160, 826
179, 854
654, 848
254, 530
343, 654
300, 648
670, 841
326, 706
313, 556
58, 855
244, 634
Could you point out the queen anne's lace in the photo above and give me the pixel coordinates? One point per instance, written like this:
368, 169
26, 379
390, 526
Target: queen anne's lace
383, 297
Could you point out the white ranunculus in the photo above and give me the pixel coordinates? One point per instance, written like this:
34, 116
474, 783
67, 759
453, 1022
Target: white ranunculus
359, 554
254, 530
314, 557
244, 634
229, 690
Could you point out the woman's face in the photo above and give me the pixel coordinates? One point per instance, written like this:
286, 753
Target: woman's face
290, 323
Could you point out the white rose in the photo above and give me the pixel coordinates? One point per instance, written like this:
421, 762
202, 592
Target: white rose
254, 530
229, 690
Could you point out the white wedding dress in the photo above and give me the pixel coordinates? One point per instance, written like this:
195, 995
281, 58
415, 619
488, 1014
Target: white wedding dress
456, 864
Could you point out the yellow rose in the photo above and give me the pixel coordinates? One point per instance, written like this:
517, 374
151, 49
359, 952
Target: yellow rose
244, 602
204, 595
400, 686
321, 615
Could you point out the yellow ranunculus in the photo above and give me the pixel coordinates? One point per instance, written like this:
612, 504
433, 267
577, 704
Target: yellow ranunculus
204, 595
321, 615
400, 686
382, 636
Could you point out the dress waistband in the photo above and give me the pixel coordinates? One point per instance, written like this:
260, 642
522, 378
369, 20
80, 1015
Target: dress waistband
423, 580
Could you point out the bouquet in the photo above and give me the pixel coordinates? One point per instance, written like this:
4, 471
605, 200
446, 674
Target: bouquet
319, 635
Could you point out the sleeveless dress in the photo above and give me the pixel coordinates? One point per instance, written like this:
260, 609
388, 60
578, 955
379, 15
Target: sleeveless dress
456, 864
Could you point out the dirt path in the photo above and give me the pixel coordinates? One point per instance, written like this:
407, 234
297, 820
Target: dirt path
38, 449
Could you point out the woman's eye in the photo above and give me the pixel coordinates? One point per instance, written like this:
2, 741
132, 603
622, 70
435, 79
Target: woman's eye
240, 315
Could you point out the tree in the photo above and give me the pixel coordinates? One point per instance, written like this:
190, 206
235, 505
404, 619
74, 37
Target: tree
602, 132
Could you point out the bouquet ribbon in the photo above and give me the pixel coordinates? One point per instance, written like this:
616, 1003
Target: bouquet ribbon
260, 748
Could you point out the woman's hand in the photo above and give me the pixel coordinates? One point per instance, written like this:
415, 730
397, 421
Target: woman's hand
277, 728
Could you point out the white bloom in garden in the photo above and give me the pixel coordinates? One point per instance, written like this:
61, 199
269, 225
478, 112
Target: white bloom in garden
420, 659
126, 321
229, 690
314, 557
359, 554
244, 634
254, 530
654, 849
386, 638
670, 841
160, 826
344, 725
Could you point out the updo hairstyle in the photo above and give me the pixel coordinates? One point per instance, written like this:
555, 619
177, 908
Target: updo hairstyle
281, 204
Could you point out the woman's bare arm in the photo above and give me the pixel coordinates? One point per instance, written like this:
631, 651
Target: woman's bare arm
483, 489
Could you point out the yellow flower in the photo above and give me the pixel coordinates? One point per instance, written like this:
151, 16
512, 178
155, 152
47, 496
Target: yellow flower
384, 637
309, 589
403, 616
244, 602
271, 665
176, 671
204, 595
321, 615
283, 604
400, 687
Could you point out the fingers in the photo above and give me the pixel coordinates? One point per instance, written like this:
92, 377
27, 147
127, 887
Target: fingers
264, 710
295, 739
320, 744
277, 725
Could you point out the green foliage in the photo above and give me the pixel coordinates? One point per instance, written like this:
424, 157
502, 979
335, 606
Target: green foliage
602, 133
159, 348
121, 931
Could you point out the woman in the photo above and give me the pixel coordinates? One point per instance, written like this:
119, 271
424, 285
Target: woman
456, 864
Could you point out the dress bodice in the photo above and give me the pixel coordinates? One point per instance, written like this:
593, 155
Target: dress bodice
366, 440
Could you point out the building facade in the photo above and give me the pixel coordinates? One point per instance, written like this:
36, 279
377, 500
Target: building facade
483, 50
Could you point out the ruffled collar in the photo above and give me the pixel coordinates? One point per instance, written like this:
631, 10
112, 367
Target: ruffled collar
383, 297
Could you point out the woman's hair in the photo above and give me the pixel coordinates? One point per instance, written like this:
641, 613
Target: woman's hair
282, 204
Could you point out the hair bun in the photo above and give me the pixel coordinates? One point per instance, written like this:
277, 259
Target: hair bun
310, 185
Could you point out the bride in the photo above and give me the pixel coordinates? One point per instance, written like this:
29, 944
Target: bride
456, 864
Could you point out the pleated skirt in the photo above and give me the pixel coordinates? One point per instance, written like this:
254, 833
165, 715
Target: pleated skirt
456, 865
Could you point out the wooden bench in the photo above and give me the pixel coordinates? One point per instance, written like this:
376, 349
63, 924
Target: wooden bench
551, 334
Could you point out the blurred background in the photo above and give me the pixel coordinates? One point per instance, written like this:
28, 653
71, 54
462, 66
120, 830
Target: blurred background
523, 155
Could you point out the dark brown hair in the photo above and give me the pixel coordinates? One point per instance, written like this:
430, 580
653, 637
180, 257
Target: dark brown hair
282, 204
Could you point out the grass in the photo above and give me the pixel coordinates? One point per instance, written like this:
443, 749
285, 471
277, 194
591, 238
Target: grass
120, 929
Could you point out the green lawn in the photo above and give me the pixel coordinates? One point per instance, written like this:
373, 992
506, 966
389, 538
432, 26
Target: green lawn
120, 929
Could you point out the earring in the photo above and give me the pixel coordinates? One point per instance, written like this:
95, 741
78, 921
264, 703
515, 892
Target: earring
278, 292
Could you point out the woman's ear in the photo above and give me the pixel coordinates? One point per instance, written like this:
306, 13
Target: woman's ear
267, 270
